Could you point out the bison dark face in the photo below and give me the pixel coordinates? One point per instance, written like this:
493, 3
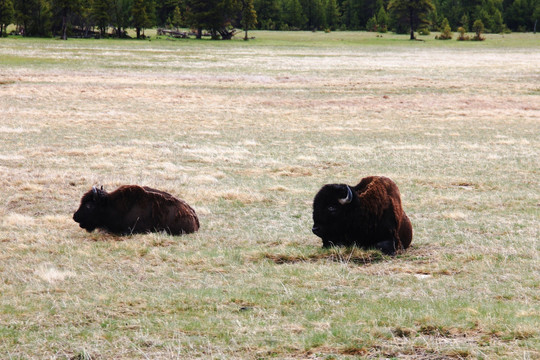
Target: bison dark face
330, 208
90, 212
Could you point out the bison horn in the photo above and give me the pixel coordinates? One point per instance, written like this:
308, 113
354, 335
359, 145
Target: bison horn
349, 197
94, 190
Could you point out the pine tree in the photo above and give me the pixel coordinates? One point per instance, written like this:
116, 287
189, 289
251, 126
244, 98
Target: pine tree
465, 22
249, 16
217, 16
412, 12
35, 17
176, 20
151, 13
453, 10
313, 11
521, 15
140, 17
84, 20
121, 15
165, 11
101, 15
294, 14
7, 13
371, 24
332, 14
478, 28
65, 9
197, 12
446, 31
382, 20
498, 24
268, 14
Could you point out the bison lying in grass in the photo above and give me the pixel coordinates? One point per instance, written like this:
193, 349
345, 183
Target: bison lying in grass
134, 209
368, 215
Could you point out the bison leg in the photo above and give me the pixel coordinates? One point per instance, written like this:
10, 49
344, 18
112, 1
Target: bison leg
328, 243
405, 231
388, 232
388, 247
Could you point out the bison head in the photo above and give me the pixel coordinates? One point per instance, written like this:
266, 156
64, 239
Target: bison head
330, 208
90, 212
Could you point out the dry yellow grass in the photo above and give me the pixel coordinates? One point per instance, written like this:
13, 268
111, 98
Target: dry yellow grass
248, 142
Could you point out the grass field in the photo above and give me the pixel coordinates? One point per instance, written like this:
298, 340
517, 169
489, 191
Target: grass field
247, 132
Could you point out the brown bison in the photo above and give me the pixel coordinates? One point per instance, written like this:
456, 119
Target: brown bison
134, 209
368, 215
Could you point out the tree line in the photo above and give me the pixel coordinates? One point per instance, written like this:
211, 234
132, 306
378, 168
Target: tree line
383, 15
219, 18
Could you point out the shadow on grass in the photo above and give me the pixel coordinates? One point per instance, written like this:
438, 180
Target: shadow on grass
341, 255
415, 254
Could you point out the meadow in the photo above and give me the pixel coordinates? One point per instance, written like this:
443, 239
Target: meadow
247, 132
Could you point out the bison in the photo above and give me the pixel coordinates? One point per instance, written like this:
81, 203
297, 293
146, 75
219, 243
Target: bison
368, 215
134, 209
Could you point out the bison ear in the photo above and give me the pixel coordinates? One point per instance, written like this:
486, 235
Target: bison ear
348, 198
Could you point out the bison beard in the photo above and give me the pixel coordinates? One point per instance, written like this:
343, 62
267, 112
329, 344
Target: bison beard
368, 215
133, 209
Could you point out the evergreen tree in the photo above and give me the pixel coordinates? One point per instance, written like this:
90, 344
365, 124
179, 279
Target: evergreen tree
176, 20
446, 31
217, 16
196, 13
368, 8
382, 20
7, 14
412, 12
151, 13
121, 15
165, 11
478, 28
101, 15
42, 18
462, 36
85, 19
249, 16
536, 15
452, 10
34, 16
487, 12
332, 14
64, 10
314, 13
351, 14
521, 15
268, 14
23, 14
371, 24
140, 16
465, 22
497, 22
356, 13
294, 14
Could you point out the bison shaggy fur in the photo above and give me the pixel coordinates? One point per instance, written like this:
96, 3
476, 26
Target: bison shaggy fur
368, 215
134, 209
